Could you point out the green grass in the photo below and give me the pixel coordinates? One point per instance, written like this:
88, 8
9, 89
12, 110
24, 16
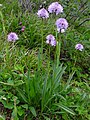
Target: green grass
38, 81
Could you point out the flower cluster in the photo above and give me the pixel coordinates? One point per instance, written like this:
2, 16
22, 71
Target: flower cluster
12, 37
61, 24
51, 40
55, 7
43, 13
22, 28
79, 47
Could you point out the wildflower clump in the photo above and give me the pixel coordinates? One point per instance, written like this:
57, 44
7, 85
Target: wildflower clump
55, 7
61, 24
79, 47
50, 39
12, 37
43, 13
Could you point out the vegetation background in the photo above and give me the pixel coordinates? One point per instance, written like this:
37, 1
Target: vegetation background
32, 85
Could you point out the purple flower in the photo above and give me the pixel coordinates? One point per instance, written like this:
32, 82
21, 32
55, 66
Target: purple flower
79, 47
43, 13
12, 36
61, 24
51, 40
55, 7
23, 28
20, 23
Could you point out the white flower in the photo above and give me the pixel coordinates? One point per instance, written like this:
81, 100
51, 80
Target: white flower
62, 30
1, 5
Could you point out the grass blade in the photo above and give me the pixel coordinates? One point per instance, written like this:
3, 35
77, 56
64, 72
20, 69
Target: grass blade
65, 108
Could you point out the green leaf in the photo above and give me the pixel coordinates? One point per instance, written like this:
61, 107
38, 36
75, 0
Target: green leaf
19, 68
46, 118
8, 84
19, 82
2, 118
32, 109
9, 81
65, 108
22, 95
69, 80
20, 111
25, 106
6, 104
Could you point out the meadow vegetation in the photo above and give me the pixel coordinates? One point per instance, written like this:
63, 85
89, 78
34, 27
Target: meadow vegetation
41, 79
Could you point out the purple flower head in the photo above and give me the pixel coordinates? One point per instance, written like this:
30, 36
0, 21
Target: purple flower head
43, 13
12, 36
51, 40
55, 7
23, 28
79, 47
61, 23
20, 23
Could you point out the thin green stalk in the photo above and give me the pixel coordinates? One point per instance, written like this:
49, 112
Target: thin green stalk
41, 49
2, 20
7, 53
45, 86
42, 40
58, 47
27, 81
58, 53
49, 61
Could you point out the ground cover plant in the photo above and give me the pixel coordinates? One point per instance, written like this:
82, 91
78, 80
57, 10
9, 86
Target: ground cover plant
44, 60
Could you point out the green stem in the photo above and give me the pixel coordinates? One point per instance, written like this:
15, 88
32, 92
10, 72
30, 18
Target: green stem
2, 20
49, 59
42, 39
41, 50
58, 48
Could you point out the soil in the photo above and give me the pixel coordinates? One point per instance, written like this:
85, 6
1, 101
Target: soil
5, 112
